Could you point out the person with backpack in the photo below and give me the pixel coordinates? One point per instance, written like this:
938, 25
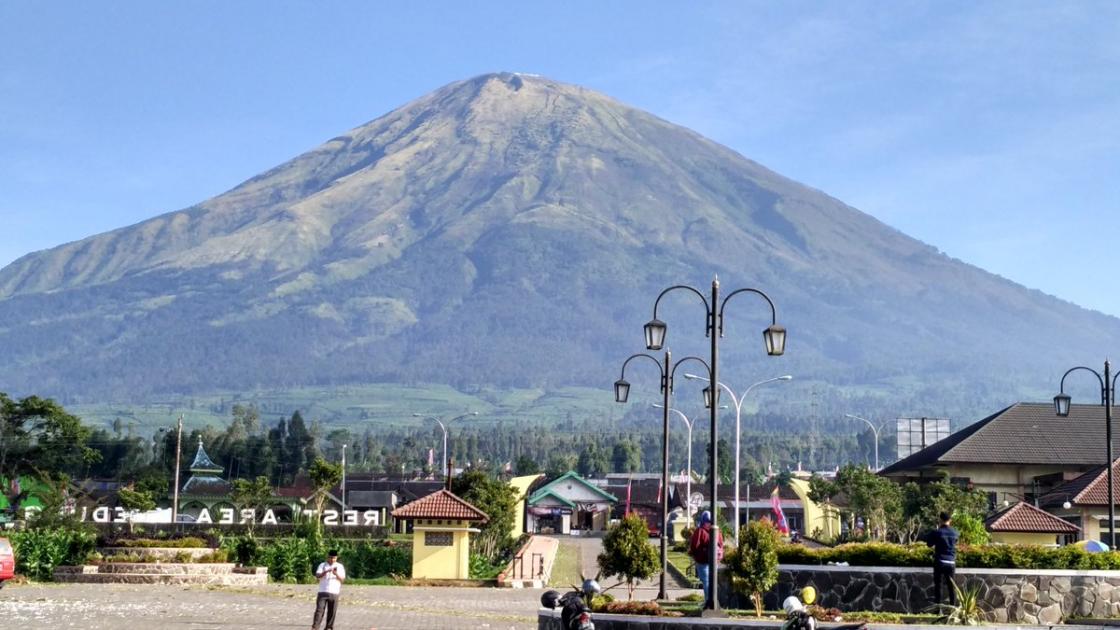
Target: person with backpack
699, 549
944, 542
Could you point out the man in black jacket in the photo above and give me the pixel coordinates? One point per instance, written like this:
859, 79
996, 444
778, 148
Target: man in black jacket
944, 543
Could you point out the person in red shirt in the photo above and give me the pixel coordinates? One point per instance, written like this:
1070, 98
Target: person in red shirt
699, 548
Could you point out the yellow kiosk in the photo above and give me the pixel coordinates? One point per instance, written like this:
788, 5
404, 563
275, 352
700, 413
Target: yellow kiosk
441, 535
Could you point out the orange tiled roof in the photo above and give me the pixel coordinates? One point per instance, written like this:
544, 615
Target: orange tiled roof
441, 504
1024, 517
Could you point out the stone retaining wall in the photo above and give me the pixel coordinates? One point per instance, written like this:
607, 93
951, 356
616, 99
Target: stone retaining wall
1009, 595
162, 553
163, 573
550, 620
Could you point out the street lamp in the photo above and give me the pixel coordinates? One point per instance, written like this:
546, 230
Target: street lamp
775, 339
621, 394
1108, 391
738, 402
874, 431
443, 426
688, 482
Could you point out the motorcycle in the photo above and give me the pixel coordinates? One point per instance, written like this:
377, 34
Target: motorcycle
575, 607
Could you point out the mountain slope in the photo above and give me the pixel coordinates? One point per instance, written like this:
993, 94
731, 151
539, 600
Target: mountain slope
512, 230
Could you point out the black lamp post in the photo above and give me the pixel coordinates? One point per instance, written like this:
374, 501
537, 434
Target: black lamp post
1108, 393
775, 338
621, 394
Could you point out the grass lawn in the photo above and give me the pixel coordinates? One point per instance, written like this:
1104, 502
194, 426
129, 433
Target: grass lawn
680, 560
565, 569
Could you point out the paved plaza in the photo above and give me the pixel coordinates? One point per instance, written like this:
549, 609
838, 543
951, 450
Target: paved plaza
144, 607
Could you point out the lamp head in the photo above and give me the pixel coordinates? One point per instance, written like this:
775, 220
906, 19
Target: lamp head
621, 390
708, 397
655, 334
1067, 505
1061, 404
775, 338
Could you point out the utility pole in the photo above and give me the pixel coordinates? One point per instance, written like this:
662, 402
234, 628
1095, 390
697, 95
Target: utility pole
178, 459
343, 477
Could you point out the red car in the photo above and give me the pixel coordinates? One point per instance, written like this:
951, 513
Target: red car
7, 561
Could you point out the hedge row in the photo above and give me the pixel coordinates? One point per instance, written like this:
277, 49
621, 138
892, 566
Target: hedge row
979, 557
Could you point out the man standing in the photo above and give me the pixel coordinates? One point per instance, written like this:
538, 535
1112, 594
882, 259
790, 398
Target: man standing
699, 547
331, 575
944, 543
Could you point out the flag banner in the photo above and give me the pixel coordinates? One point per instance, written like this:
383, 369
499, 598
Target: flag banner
779, 515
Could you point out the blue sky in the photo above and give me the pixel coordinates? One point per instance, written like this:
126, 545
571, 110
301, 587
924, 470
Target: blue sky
988, 129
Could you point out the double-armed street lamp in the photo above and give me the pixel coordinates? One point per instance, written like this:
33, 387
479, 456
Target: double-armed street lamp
622, 394
775, 339
443, 426
874, 431
1108, 394
738, 402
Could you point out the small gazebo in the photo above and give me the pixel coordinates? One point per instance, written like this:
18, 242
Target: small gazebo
441, 541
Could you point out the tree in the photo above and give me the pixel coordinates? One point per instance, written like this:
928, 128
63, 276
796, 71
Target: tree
971, 528
627, 552
878, 500
135, 501
593, 461
626, 458
754, 565
526, 466
252, 495
499, 501
726, 464
38, 438
558, 465
324, 476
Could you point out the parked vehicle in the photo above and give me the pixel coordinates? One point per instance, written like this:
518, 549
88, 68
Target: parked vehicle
7, 561
575, 607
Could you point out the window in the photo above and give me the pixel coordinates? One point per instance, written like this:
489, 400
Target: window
437, 539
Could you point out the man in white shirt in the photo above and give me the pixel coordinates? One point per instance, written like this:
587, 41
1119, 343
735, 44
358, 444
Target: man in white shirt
331, 575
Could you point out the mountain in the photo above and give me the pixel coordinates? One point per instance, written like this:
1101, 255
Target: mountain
511, 230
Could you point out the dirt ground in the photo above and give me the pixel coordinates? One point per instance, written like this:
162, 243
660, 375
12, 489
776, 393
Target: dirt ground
143, 607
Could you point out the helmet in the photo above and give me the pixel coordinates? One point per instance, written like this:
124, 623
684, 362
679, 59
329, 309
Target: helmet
590, 586
792, 605
550, 599
808, 594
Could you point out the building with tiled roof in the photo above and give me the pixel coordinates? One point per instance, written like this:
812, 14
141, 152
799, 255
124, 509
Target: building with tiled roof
442, 525
1024, 450
441, 505
1083, 501
1025, 524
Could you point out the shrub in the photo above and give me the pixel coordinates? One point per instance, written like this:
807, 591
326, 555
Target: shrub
218, 556
754, 565
39, 551
651, 609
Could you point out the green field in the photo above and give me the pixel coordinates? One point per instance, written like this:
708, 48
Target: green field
384, 406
